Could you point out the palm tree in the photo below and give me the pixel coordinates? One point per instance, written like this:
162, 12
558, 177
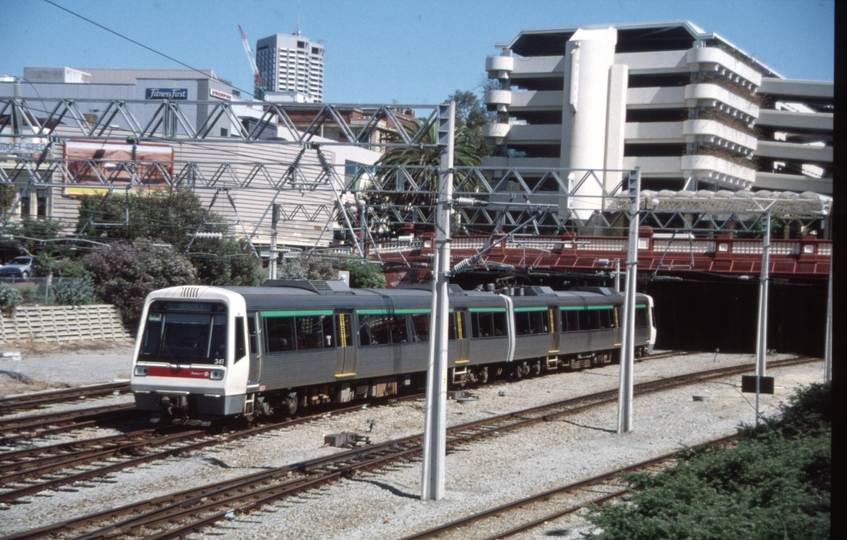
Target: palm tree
415, 168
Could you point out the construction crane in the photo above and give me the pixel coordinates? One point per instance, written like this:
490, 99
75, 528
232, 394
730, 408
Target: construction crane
257, 77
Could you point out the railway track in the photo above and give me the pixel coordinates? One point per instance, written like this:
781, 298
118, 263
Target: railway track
535, 511
40, 399
25, 428
192, 510
29, 471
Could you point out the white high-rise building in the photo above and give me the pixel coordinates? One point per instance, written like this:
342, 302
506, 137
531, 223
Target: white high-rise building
291, 64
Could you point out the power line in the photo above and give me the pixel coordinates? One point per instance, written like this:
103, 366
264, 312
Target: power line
171, 58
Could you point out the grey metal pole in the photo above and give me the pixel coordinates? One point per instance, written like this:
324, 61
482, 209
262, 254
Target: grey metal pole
827, 355
273, 255
435, 437
625, 395
762, 330
617, 275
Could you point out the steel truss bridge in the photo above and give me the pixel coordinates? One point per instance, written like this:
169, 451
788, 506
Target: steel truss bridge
522, 218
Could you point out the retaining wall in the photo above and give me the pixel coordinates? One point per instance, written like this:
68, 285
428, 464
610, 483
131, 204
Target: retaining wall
63, 323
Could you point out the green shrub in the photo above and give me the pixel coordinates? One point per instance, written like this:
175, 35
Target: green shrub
126, 272
10, 298
366, 276
74, 292
775, 484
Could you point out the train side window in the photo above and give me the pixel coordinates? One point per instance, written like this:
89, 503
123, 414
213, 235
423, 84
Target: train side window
538, 322
380, 329
572, 317
501, 327
251, 331
604, 318
640, 316
310, 332
374, 329
240, 339
152, 335
420, 325
328, 331
280, 333
481, 325
364, 330
399, 332
522, 323
488, 324
593, 317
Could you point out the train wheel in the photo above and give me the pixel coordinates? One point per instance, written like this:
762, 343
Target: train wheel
290, 403
482, 376
521, 370
536, 368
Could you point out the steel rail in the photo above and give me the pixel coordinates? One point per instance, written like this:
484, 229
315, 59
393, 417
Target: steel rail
543, 497
213, 497
36, 400
42, 421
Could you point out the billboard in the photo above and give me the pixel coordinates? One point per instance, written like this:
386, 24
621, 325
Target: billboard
92, 166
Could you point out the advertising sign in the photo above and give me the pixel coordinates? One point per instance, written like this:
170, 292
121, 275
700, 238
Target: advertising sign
92, 165
166, 93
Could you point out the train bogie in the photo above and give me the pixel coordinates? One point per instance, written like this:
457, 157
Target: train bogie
206, 352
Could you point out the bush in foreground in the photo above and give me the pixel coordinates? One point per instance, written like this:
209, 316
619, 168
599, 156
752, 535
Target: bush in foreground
775, 484
126, 272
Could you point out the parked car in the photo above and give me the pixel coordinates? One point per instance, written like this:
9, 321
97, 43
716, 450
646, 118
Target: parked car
22, 267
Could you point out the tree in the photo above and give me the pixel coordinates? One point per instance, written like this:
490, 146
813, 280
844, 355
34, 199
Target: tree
309, 269
125, 273
168, 217
173, 218
421, 163
226, 263
472, 114
37, 235
7, 198
366, 276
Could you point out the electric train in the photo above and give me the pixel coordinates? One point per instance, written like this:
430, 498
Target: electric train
206, 352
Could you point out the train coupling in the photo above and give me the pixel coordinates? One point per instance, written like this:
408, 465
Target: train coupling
174, 405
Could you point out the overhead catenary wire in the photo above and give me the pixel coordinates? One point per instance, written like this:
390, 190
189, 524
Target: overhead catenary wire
127, 38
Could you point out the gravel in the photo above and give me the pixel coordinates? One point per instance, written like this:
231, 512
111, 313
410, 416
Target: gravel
387, 505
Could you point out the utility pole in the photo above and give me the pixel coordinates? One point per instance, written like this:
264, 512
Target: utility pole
273, 254
762, 328
435, 435
827, 356
625, 393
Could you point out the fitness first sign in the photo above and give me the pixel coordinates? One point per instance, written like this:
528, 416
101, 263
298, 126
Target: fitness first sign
166, 93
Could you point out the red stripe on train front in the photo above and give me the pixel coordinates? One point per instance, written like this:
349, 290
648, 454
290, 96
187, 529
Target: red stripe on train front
188, 373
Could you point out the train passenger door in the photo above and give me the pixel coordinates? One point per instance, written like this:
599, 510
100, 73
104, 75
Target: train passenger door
460, 332
346, 352
553, 325
254, 328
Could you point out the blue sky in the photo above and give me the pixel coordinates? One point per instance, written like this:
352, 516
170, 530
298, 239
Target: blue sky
381, 51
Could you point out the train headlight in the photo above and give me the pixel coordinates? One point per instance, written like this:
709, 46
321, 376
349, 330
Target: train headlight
140, 371
217, 375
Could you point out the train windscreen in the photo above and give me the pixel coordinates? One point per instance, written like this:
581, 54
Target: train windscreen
184, 333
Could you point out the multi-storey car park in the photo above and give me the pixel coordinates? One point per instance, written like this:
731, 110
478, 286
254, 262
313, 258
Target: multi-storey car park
687, 107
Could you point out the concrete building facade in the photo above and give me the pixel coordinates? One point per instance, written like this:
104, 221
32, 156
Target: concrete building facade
291, 64
93, 89
687, 107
